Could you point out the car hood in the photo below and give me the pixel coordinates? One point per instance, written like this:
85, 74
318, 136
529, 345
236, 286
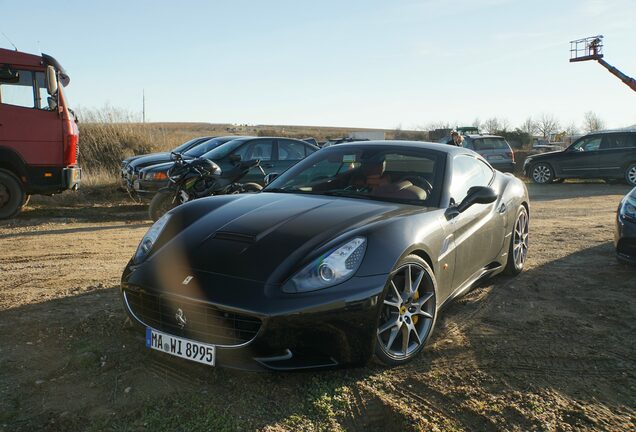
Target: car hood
165, 166
544, 155
264, 236
151, 159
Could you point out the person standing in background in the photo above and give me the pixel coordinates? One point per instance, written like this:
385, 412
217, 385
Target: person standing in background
456, 139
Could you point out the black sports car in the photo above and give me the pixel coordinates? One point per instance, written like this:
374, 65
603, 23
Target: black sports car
625, 233
350, 253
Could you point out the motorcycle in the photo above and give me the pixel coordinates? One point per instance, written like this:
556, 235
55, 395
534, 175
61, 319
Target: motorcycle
198, 178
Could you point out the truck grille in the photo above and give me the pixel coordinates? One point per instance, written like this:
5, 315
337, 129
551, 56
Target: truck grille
204, 322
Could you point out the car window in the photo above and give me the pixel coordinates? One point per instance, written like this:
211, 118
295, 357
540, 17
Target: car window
376, 173
468, 172
490, 144
205, 146
618, 141
261, 149
291, 150
19, 93
186, 145
588, 144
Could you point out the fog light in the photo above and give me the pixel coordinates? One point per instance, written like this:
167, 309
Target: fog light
326, 272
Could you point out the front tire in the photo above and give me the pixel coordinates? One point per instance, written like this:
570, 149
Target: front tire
630, 174
161, 203
542, 173
12, 196
408, 313
519, 242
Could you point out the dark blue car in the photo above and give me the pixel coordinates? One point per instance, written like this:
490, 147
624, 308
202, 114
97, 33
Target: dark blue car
625, 234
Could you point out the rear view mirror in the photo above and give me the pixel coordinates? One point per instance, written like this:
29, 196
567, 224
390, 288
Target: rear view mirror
51, 80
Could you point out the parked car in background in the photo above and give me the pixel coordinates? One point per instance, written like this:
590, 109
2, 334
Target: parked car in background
130, 166
625, 233
147, 180
609, 155
275, 154
495, 149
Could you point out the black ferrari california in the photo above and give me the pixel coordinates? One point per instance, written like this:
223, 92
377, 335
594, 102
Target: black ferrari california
625, 232
351, 253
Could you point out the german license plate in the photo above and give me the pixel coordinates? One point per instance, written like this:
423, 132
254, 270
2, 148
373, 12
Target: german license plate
180, 347
136, 185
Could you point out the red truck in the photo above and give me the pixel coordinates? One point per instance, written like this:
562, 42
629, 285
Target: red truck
38, 132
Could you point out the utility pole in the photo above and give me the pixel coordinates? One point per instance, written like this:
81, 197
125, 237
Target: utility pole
143, 105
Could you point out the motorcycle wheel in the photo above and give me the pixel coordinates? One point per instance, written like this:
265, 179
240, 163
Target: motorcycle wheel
161, 203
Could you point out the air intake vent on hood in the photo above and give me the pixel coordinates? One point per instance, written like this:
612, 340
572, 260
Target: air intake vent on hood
237, 237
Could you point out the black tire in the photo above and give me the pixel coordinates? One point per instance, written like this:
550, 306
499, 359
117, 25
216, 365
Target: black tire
12, 196
252, 187
541, 173
630, 174
518, 243
160, 204
402, 312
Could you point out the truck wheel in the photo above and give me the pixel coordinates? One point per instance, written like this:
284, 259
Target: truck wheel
161, 203
12, 196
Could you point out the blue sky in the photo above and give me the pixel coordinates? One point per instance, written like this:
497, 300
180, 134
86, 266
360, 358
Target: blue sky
342, 63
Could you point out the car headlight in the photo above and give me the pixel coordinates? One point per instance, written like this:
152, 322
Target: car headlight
150, 238
628, 208
157, 176
332, 268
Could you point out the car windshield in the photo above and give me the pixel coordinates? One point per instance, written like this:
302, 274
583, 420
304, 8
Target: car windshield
396, 174
220, 151
205, 147
186, 145
490, 144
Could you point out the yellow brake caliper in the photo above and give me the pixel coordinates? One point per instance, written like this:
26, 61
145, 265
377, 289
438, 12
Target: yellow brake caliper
415, 297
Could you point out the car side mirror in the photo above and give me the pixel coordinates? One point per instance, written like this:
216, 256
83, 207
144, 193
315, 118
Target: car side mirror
477, 195
270, 177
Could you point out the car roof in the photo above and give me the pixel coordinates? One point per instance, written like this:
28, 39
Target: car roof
473, 136
444, 148
609, 131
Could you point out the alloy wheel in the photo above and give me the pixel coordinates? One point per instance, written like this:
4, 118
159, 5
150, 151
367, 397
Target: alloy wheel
520, 239
631, 175
408, 312
541, 174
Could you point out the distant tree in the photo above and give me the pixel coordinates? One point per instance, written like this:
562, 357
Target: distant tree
437, 125
529, 126
571, 129
477, 123
492, 125
592, 122
547, 125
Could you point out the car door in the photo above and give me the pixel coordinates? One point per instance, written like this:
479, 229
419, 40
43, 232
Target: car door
614, 148
581, 159
475, 230
288, 153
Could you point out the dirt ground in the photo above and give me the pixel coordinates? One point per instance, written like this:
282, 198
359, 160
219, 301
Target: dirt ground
552, 349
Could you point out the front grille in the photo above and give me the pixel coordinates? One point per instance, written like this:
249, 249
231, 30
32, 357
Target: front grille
204, 322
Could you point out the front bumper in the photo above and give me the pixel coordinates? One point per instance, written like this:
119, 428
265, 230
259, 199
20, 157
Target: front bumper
327, 328
625, 240
145, 187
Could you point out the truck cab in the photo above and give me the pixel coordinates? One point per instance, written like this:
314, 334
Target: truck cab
38, 132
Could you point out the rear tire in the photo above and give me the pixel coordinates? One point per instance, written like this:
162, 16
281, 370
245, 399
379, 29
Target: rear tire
630, 174
12, 196
542, 173
518, 250
160, 204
